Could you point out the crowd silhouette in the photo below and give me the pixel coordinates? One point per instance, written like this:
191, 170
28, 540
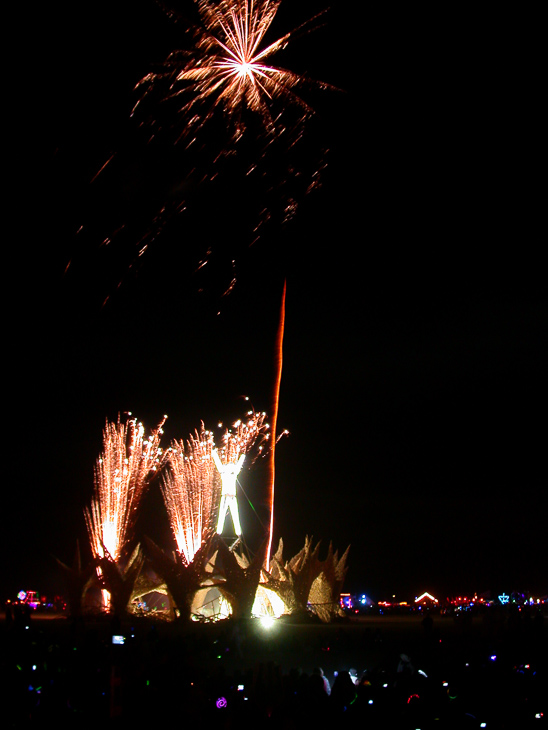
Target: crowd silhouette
236, 675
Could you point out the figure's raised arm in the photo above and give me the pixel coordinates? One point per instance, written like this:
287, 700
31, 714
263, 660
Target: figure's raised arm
217, 461
240, 463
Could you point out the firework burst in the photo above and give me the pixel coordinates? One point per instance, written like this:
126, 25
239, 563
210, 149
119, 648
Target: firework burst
243, 436
122, 473
191, 489
228, 69
206, 96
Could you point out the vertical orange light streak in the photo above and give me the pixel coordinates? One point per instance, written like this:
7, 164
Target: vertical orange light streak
276, 400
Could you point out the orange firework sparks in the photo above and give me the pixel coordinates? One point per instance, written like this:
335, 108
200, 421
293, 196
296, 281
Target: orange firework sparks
227, 70
122, 474
244, 436
191, 489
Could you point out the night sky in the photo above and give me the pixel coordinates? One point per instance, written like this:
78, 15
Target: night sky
415, 351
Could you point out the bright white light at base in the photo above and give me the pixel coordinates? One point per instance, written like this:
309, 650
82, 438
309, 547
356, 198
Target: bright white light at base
267, 603
225, 609
267, 622
109, 537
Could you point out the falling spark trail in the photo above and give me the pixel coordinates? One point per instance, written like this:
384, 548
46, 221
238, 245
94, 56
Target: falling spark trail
272, 470
100, 170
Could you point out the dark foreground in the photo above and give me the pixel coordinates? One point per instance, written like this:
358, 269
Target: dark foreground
487, 671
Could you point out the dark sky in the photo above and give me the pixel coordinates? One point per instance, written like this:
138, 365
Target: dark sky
415, 347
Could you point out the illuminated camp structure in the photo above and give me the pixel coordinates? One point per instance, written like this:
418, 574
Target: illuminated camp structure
425, 599
306, 583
